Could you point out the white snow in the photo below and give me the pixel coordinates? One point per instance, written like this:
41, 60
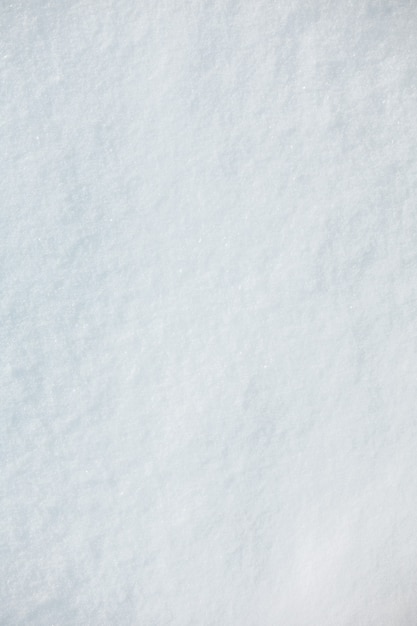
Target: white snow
208, 313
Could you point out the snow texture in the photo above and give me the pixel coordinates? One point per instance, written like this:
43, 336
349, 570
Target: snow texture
208, 313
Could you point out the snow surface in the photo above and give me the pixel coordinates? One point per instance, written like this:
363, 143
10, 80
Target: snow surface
208, 313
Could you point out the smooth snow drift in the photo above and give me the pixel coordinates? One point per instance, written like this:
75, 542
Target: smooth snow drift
208, 313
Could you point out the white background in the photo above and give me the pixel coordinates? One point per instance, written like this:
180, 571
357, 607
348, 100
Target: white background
208, 313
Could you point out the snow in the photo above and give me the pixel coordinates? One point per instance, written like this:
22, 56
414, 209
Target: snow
208, 313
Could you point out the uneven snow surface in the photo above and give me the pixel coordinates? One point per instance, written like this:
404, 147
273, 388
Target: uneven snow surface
208, 313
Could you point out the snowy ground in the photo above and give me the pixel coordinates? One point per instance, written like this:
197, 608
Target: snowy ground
208, 313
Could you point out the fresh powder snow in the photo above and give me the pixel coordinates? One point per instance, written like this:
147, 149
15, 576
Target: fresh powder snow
208, 313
